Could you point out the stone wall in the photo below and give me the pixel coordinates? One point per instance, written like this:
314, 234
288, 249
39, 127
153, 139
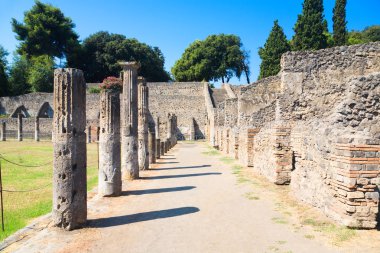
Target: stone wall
316, 127
187, 100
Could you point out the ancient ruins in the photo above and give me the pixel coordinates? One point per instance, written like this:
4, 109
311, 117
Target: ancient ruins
314, 128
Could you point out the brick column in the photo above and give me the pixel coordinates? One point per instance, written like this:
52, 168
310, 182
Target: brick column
192, 130
129, 118
355, 192
37, 129
69, 142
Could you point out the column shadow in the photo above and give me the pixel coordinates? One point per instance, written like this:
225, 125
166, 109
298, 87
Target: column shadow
183, 175
160, 190
139, 217
184, 167
166, 162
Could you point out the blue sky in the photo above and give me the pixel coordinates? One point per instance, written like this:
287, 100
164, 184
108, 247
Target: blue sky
173, 25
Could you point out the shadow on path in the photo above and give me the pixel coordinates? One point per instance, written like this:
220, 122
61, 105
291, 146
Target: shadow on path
166, 162
160, 190
138, 217
184, 167
183, 175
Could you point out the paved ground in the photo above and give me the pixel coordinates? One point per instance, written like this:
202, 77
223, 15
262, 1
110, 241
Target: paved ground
189, 203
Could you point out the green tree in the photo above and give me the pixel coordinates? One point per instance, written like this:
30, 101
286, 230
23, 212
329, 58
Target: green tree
369, 34
46, 31
40, 74
340, 23
4, 87
217, 57
18, 75
271, 53
310, 27
102, 51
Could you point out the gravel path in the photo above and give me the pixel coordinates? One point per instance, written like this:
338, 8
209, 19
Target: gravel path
189, 203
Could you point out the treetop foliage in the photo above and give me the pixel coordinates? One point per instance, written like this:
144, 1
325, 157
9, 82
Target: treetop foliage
340, 23
311, 27
45, 31
102, 51
271, 53
217, 57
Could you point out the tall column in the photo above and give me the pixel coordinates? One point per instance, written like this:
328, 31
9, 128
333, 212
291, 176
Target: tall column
37, 129
169, 129
109, 144
19, 127
158, 140
69, 142
162, 147
89, 134
129, 117
143, 154
3, 133
192, 130
152, 147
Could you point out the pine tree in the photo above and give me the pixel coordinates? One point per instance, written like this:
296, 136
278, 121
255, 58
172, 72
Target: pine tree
339, 19
310, 27
271, 53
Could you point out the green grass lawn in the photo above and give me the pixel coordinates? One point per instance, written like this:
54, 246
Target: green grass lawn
21, 207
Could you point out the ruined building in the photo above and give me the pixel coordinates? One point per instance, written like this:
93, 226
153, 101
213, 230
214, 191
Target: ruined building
314, 127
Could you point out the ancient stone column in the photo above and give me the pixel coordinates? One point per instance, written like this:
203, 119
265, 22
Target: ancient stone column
152, 147
170, 129
192, 130
69, 142
3, 133
129, 117
162, 147
37, 129
143, 154
19, 127
158, 140
109, 144
89, 134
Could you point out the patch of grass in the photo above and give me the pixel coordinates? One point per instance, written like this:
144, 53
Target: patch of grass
273, 248
310, 237
279, 220
251, 196
211, 152
22, 207
339, 234
227, 160
281, 242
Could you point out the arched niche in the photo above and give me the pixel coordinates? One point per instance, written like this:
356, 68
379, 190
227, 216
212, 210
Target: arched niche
45, 111
20, 110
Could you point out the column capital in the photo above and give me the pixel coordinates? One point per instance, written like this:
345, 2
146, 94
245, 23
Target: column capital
129, 65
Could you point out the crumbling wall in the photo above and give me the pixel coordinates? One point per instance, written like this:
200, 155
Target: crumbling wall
186, 100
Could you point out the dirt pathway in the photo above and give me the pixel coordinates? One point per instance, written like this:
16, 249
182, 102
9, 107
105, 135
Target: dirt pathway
189, 203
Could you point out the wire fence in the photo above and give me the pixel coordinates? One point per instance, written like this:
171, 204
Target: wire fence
2, 189
27, 135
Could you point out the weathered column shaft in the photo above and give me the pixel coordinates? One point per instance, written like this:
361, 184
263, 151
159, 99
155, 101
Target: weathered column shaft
192, 130
3, 133
152, 147
158, 140
109, 144
89, 134
69, 141
162, 147
143, 125
19, 127
37, 129
129, 116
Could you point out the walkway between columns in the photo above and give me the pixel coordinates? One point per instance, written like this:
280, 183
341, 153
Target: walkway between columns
189, 203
